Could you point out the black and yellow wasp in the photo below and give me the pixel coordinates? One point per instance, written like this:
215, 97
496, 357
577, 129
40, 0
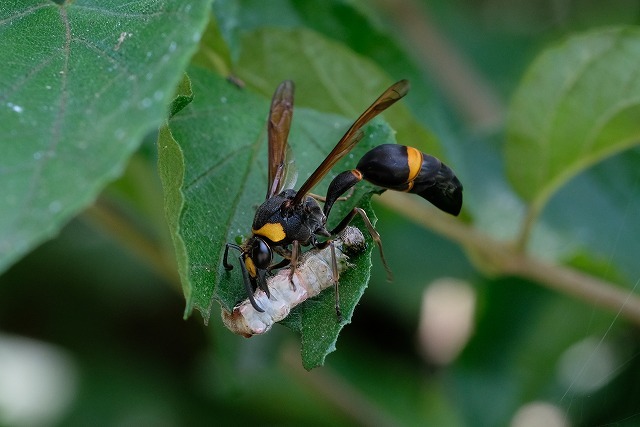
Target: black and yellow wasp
290, 219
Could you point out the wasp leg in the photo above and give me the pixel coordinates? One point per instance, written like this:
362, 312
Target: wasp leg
295, 254
334, 266
249, 286
281, 264
335, 275
286, 255
262, 281
226, 265
339, 185
372, 231
289, 257
324, 199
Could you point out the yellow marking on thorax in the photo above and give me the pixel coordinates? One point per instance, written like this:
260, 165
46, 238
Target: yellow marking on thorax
272, 231
414, 160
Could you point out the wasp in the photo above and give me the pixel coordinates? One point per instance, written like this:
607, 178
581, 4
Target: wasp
288, 219
314, 274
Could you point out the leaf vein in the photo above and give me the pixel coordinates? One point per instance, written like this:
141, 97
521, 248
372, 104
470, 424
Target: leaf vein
25, 12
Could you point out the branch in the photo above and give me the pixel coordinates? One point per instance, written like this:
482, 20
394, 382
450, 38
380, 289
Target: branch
465, 87
120, 228
501, 258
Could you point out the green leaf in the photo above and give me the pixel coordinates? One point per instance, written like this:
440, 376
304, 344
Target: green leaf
329, 77
578, 104
182, 97
209, 164
82, 83
171, 170
221, 141
316, 319
351, 24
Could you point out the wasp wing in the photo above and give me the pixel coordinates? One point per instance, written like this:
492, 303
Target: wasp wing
278, 131
353, 136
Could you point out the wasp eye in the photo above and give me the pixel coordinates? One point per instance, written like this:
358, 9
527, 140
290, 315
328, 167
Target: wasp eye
261, 254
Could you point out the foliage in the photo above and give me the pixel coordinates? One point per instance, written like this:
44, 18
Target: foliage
547, 239
78, 96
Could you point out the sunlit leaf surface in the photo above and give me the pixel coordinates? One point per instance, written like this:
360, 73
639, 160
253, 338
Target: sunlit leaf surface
81, 84
578, 104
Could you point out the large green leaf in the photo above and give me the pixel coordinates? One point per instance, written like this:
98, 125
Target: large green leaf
82, 82
219, 141
351, 24
329, 77
579, 103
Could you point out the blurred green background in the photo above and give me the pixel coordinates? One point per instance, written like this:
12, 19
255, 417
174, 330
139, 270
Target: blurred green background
102, 304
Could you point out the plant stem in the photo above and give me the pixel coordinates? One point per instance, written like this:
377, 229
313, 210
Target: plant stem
467, 90
527, 227
502, 258
118, 227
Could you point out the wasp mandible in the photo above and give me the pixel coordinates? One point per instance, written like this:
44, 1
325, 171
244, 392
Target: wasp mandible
290, 219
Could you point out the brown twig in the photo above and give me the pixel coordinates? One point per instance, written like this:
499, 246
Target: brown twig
122, 230
505, 259
467, 90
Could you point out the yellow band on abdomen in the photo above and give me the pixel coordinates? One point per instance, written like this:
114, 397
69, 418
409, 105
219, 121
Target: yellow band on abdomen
414, 160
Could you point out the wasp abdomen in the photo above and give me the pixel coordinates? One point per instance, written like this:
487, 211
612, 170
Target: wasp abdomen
401, 168
391, 166
437, 183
